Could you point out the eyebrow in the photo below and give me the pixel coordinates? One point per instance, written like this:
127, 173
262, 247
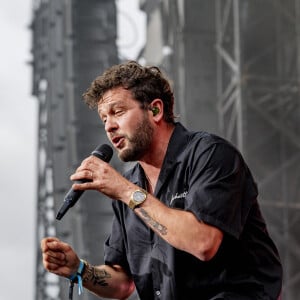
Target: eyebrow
114, 104
110, 105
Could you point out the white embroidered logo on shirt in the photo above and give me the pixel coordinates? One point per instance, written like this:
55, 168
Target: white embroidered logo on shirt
177, 196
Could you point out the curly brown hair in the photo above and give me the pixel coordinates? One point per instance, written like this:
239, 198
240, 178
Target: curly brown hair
145, 84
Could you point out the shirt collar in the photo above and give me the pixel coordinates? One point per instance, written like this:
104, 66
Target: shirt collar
178, 141
176, 147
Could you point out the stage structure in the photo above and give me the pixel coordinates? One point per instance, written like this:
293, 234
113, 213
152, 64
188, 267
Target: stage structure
258, 47
73, 41
235, 66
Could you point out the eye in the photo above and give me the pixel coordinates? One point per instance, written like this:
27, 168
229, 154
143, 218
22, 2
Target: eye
119, 112
103, 119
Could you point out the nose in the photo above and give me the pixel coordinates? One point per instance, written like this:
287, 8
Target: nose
110, 125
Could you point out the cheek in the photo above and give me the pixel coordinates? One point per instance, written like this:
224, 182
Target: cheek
129, 123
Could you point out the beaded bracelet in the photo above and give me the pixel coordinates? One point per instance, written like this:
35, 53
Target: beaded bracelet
77, 278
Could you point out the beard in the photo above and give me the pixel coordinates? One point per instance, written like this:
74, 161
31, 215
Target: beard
139, 142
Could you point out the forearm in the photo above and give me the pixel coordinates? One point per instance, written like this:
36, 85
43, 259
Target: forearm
180, 228
105, 281
108, 282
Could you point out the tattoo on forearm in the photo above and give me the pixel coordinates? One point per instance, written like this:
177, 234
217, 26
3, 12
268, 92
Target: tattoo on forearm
96, 276
161, 229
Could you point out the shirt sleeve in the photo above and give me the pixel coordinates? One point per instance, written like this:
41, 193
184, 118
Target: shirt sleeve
114, 248
221, 188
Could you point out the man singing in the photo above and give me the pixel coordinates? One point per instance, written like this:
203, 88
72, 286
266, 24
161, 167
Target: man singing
187, 223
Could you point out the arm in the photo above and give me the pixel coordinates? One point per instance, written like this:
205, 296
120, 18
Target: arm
104, 281
179, 228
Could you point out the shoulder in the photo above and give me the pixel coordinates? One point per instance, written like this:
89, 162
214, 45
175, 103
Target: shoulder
212, 153
204, 142
201, 146
202, 139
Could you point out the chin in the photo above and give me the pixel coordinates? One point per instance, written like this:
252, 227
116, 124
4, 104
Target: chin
128, 155
122, 154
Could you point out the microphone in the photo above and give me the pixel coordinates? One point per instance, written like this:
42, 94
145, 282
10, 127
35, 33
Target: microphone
103, 152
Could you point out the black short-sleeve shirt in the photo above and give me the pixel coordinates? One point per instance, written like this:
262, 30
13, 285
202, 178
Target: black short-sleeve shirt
206, 175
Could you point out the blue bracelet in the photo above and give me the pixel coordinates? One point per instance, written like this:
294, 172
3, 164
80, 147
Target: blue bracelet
78, 276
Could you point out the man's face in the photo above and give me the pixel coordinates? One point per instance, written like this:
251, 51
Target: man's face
127, 125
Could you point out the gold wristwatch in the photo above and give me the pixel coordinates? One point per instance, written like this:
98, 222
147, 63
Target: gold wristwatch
137, 198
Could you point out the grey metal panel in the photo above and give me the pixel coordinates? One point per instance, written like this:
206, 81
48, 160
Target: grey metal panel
73, 42
244, 76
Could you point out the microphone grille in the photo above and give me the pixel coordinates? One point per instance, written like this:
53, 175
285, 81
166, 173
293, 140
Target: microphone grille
104, 152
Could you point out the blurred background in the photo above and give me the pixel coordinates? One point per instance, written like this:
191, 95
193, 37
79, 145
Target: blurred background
18, 138
234, 66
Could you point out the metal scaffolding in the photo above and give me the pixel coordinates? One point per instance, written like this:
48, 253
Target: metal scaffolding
73, 41
258, 104
230, 106
47, 285
234, 63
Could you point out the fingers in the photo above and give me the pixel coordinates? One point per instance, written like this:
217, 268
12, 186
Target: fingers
55, 251
86, 175
101, 177
58, 257
87, 169
45, 241
89, 175
52, 250
90, 163
55, 246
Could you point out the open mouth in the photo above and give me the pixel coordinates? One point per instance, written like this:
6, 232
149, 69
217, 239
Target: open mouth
118, 141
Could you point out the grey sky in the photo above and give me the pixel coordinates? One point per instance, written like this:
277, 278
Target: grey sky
18, 158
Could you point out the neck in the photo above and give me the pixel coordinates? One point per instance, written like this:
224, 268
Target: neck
158, 148
153, 160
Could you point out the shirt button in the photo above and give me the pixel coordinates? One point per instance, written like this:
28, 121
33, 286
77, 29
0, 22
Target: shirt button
157, 293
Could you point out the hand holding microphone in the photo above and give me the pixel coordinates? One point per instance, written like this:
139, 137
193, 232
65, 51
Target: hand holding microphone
103, 152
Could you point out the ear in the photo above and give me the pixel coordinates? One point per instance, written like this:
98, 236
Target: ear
157, 108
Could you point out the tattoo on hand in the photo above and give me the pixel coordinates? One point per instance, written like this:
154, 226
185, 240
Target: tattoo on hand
161, 229
96, 276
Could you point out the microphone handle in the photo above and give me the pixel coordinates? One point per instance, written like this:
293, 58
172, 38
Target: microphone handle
70, 200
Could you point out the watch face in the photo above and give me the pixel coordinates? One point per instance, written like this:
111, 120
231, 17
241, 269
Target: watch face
139, 196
